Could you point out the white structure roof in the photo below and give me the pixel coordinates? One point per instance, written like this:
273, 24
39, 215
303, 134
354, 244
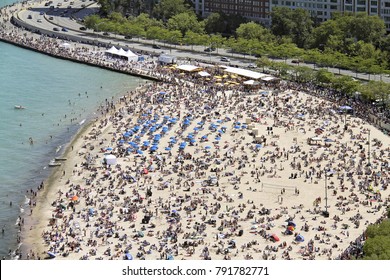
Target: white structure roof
188, 68
204, 74
245, 73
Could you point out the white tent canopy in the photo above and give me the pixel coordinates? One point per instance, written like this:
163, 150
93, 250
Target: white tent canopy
110, 159
204, 74
121, 52
188, 68
131, 56
112, 50
245, 73
251, 82
65, 46
268, 78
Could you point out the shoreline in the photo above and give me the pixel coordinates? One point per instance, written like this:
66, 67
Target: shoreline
34, 224
250, 181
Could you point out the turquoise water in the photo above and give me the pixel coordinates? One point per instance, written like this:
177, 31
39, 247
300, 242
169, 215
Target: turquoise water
49, 88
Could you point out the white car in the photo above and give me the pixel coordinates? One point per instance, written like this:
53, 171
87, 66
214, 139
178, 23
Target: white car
252, 65
225, 59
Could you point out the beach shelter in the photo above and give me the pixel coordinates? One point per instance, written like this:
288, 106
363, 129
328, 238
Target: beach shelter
345, 108
112, 50
251, 83
51, 255
299, 238
65, 46
275, 238
128, 256
110, 159
204, 74
131, 56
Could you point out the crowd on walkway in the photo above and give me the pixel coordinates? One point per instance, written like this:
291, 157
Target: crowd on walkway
203, 171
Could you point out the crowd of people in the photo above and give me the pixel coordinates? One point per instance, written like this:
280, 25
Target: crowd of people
188, 169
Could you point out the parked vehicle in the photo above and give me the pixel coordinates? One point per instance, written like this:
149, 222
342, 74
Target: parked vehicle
167, 59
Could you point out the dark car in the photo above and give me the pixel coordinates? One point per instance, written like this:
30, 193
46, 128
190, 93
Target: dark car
51, 18
106, 34
128, 37
29, 16
64, 29
210, 49
56, 29
83, 28
156, 47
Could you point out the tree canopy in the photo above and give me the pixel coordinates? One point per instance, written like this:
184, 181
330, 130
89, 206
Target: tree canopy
377, 245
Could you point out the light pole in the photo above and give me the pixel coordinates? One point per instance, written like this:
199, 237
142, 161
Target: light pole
95, 29
368, 150
326, 212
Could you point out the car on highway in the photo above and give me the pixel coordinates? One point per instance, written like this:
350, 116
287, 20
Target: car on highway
56, 29
128, 37
225, 59
106, 34
29, 17
156, 47
64, 29
42, 13
83, 28
211, 49
252, 65
39, 20
51, 18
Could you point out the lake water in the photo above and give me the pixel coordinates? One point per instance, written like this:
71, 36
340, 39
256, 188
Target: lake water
49, 88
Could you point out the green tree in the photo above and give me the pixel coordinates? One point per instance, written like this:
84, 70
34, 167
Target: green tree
166, 9
377, 245
146, 21
252, 30
296, 24
185, 22
263, 62
215, 23
345, 84
217, 41
323, 77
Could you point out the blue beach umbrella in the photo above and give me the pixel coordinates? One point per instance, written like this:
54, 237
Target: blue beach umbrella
167, 148
207, 147
140, 152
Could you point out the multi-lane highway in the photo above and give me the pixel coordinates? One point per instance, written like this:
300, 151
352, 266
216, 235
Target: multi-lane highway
63, 17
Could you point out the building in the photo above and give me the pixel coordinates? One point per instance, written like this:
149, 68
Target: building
256, 10
259, 10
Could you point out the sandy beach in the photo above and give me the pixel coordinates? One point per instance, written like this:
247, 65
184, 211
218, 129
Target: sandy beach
199, 172
203, 169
